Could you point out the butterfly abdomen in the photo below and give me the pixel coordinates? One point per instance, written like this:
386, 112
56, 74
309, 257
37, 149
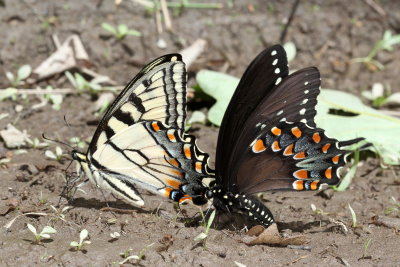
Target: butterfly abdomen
255, 209
244, 204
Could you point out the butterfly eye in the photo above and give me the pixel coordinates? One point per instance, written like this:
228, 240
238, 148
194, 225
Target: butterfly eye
209, 194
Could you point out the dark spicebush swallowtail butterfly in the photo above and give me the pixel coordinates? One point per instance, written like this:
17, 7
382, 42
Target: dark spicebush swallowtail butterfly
140, 140
268, 139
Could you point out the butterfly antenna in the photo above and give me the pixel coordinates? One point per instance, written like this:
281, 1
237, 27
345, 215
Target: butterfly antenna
57, 141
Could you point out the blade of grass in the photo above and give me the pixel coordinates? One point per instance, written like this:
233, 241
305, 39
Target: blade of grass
346, 181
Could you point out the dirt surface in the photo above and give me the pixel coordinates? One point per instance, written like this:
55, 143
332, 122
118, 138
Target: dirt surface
327, 34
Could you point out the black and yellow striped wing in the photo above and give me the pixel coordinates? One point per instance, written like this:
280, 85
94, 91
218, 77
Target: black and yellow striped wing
158, 92
140, 140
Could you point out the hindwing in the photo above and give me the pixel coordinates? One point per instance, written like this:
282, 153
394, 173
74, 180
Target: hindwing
147, 155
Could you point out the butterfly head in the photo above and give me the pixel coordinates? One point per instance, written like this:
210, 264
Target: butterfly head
78, 156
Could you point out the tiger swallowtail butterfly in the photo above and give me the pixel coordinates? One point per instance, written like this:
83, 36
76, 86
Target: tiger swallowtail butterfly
268, 139
140, 140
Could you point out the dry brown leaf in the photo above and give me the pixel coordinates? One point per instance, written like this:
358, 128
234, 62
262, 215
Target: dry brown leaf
192, 52
13, 138
8, 205
271, 236
69, 55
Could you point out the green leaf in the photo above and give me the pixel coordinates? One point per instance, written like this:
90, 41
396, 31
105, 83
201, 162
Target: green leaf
221, 87
109, 28
83, 234
24, 72
393, 99
197, 117
346, 181
353, 217
134, 33
200, 237
7, 93
123, 29
10, 77
48, 230
74, 244
31, 228
210, 220
290, 49
71, 79
379, 129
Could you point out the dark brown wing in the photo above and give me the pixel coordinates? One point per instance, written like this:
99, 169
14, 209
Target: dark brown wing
293, 100
258, 80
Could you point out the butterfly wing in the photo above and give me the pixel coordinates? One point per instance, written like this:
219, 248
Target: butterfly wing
153, 156
276, 145
280, 146
140, 140
263, 74
158, 92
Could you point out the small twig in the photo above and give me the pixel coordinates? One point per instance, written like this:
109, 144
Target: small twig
302, 247
167, 17
61, 91
158, 22
292, 12
145, 3
149, 4
376, 7
56, 41
296, 260
116, 210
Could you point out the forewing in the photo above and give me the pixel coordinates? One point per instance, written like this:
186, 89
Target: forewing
263, 74
158, 92
292, 100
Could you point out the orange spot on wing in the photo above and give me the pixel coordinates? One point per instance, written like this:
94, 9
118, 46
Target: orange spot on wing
335, 159
288, 150
298, 185
276, 131
187, 152
173, 162
316, 138
296, 132
259, 146
198, 166
314, 185
173, 183
328, 173
155, 126
300, 155
301, 174
326, 147
171, 137
167, 191
275, 146
177, 173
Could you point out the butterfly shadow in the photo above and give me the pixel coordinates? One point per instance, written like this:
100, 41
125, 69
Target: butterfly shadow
117, 206
300, 226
